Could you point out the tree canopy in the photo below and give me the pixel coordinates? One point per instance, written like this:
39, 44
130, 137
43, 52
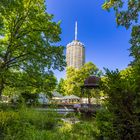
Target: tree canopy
122, 105
120, 118
60, 86
28, 53
76, 77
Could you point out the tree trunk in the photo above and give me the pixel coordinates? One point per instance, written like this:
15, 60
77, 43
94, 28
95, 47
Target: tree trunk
89, 100
1, 88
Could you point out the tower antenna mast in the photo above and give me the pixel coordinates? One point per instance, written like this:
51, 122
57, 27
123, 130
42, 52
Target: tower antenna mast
76, 30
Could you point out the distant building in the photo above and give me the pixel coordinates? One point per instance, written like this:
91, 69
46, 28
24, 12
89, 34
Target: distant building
42, 99
75, 52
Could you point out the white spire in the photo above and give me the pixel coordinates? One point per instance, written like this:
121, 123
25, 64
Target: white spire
76, 30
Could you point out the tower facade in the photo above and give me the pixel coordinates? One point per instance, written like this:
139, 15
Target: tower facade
75, 52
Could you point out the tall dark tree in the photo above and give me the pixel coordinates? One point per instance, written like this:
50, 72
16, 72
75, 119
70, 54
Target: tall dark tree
122, 104
122, 88
28, 53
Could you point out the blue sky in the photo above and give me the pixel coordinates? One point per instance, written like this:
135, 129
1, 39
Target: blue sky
106, 44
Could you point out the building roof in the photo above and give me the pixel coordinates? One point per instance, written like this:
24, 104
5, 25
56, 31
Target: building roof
75, 43
71, 97
91, 82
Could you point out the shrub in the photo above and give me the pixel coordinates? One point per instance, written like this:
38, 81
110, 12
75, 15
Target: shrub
25, 123
121, 119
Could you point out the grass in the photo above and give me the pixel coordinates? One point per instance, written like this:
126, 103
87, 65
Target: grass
30, 124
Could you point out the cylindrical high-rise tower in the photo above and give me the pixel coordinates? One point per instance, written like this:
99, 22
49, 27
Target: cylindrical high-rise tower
75, 53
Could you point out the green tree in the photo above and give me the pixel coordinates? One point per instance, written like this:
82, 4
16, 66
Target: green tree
60, 86
76, 77
119, 119
122, 101
71, 85
28, 53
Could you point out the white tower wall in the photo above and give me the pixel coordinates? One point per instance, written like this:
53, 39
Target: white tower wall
75, 54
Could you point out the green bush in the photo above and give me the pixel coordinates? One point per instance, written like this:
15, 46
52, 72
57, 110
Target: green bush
41, 120
104, 122
30, 124
6, 119
121, 119
25, 123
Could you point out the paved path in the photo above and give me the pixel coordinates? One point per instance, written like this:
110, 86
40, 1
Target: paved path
59, 110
